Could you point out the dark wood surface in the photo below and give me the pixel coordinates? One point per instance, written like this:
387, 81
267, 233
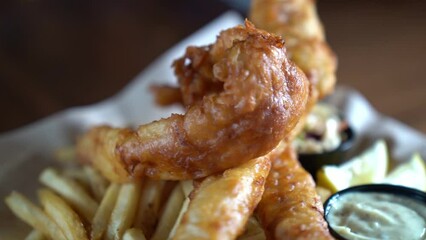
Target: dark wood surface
58, 54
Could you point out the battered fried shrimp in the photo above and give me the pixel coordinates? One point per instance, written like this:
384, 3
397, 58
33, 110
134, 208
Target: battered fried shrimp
290, 207
261, 98
298, 23
221, 204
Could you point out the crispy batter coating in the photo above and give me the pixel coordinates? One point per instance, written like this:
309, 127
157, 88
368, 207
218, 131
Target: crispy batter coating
298, 23
166, 95
317, 61
221, 204
261, 97
297, 19
290, 207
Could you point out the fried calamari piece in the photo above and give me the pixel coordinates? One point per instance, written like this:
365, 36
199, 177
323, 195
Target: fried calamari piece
290, 207
298, 23
221, 205
261, 98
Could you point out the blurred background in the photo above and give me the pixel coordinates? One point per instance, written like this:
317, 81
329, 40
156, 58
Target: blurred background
58, 54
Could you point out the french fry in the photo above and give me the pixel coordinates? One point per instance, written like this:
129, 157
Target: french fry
97, 183
35, 235
170, 214
100, 221
134, 234
124, 210
33, 216
78, 175
166, 192
71, 191
179, 218
187, 187
63, 215
149, 206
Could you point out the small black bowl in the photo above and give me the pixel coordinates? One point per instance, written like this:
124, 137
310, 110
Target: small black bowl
313, 162
372, 188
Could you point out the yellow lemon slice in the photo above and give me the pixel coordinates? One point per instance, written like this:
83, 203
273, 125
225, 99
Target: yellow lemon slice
368, 167
410, 174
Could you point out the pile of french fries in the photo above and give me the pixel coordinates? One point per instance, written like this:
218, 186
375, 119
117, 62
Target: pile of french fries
76, 202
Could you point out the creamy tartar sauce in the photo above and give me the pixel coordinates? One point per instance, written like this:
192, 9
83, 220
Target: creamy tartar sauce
364, 215
321, 132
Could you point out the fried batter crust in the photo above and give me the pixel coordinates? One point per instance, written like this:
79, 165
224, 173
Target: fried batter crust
298, 23
297, 19
221, 205
260, 99
166, 95
290, 207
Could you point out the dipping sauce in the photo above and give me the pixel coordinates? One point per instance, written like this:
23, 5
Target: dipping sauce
375, 215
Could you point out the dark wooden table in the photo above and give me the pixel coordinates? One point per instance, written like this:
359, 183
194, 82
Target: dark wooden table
58, 54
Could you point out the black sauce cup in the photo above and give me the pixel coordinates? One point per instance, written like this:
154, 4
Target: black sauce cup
313, 162
372, 188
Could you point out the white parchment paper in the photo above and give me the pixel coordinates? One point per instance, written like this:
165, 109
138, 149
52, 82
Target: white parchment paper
26, 151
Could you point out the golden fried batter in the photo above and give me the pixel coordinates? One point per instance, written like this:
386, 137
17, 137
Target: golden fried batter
298, 23
221, 204
290, 207
261, 97
296, 19
166, 95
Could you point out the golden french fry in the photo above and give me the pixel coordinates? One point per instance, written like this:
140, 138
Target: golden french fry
63, 215
124, 210
187, 187
165, 194
134, 234
35, 235
102, 216
71, 191
97, 183
149, 206
33, 215
78, 175
170, 214
179, 218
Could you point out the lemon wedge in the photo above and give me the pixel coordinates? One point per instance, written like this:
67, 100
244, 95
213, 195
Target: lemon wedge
368, 167
410, 174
